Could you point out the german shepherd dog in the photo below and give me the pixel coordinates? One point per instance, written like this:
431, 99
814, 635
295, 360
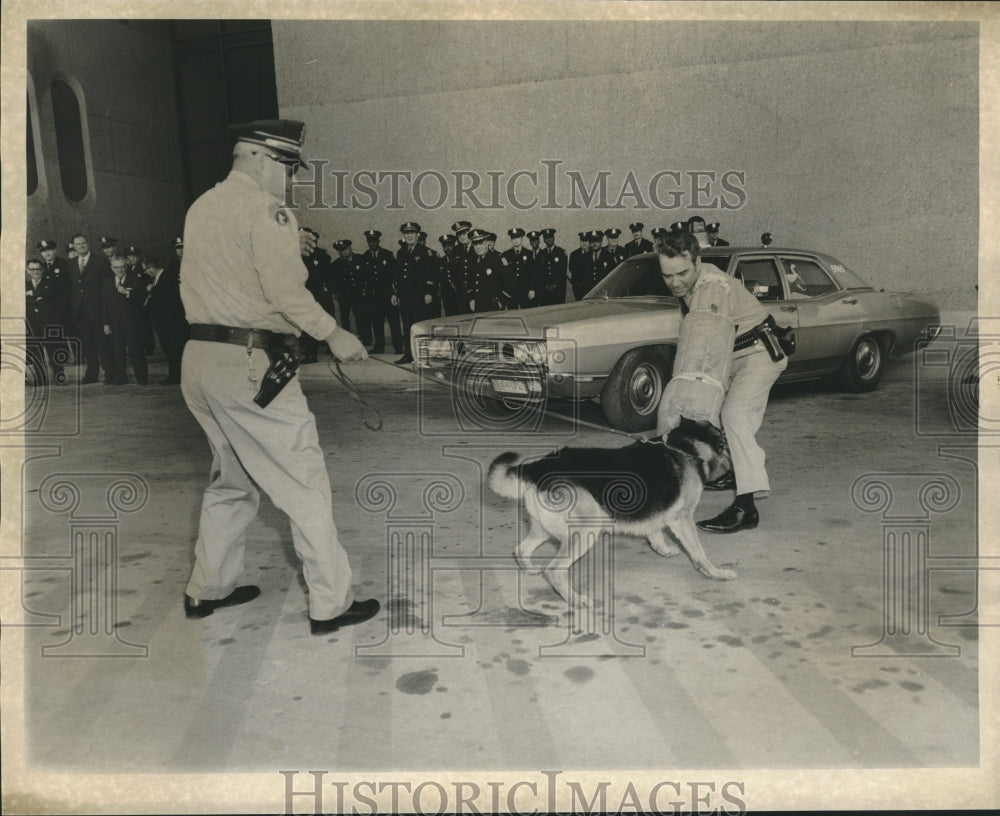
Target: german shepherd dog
647, 489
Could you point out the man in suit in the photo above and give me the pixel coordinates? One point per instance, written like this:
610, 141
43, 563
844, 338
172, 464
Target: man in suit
638, 244
89, 271
166, 314
553, 266
122, 298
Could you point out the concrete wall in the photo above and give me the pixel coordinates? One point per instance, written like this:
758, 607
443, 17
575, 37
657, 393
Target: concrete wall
124, 75
860, 139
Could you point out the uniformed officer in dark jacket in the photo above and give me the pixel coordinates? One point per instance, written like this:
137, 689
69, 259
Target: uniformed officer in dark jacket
44, 314
552, 272
416, 282
109, 246
122, 298
490, 286
712, 230
517, 259
615, 249
379, 292
57, 270
343, 286
452, 276
638, 244
89, 270
598, 261
319, 274
166, 313
576, 274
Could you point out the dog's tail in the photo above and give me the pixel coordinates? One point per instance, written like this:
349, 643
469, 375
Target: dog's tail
503, 476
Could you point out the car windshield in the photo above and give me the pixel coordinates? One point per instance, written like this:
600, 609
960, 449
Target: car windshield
640, 277
845, 278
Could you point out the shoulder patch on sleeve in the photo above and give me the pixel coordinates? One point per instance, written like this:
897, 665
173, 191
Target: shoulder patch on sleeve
277, 212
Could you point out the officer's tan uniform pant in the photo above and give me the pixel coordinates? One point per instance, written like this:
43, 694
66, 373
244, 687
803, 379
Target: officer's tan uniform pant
751, 376
278, 448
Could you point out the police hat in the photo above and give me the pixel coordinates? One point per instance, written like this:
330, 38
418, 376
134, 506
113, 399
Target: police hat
638, 226
582, 236
133, 250
658, 231
448, 239
679, 226
534, 235
477, 236
108, 242
515, 232
409, 226
713, 227
595, 235
342, 244
43, 245
491, 236
179, 242
614, 232
461, 226
372, 235
548, 233
283, 136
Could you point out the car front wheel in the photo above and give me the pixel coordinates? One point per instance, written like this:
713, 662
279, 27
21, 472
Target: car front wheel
631, 395
862, 369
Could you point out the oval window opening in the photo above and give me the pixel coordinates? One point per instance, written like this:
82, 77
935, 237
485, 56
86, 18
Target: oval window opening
69, 141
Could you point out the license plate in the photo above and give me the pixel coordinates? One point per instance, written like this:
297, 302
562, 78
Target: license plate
509, 386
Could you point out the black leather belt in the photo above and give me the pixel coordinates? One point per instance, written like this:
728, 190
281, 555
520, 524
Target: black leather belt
248, 338
748, 338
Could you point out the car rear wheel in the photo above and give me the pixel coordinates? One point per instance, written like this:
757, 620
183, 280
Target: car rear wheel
632, 393
863, 368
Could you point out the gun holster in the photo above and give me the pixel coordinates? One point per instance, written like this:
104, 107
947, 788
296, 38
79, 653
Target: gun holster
285, 356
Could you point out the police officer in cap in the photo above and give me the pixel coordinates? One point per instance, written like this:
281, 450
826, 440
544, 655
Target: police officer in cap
490, 284
57, 271
638, 244
243, 287
552, 270
379, 293
319, 281
712, 230
598, 261
109, 246
452, 276
615, 250
576, 269
416, 282
517, 259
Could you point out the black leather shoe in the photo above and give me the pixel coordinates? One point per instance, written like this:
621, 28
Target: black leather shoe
730, 520
88, 380
194, 608
404, 360
727, 481
357, 612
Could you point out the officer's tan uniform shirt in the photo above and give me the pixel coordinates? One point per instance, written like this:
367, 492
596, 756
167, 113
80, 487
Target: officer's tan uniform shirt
743, 308
242, 265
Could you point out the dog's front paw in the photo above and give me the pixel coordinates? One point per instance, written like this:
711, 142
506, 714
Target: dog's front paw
726, 575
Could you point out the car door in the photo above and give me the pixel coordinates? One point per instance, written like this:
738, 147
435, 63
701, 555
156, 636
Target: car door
761, 274
828, 315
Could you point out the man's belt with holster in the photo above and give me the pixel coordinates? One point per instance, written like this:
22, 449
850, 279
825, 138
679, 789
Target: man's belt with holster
282, 352
778, 340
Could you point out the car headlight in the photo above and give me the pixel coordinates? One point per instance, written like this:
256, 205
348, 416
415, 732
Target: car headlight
434, 348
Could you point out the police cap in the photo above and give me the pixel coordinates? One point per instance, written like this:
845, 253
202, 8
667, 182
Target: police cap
548, 233
342, 244
461, 226
638, 226
447, 239
534, 235
43, 245
713, 227
515, 232
372, 235
613, 232
283, 136
178, 242
477, 236
108, 242
133, 250
409, 226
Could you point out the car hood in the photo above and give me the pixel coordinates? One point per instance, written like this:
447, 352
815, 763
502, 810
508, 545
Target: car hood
532, 323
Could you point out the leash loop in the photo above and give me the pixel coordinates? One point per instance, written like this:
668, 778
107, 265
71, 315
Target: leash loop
365, 410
